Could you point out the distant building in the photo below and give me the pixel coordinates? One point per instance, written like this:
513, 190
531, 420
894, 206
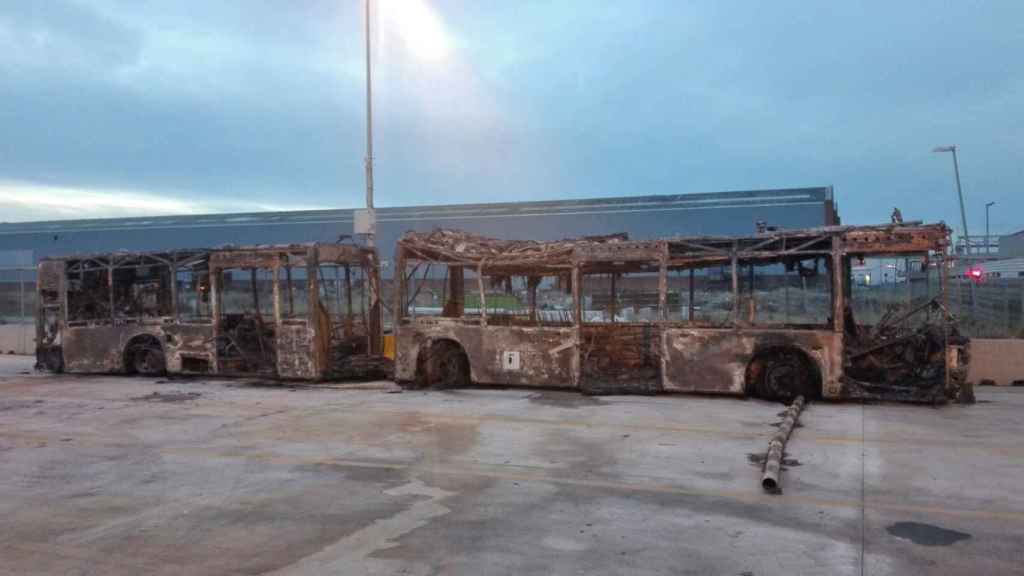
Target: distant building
1001, 259
1011, 245
724, 213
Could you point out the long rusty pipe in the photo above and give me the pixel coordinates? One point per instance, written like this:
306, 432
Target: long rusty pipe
776, 446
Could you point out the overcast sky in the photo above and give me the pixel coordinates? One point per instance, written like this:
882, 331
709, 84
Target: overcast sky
128, 107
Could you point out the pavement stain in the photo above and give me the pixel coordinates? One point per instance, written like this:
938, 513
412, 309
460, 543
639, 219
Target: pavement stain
926, 534
559, 399
168, 397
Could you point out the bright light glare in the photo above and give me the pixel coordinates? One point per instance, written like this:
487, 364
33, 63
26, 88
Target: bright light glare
418, 27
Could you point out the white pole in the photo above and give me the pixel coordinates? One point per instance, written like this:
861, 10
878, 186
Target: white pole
960, 194
369, 126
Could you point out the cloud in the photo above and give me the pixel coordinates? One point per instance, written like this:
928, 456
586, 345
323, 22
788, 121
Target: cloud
248, 103
63, 37
26, 201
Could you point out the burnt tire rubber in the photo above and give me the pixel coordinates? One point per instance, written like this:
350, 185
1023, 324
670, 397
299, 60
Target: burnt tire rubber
451, 369
786, 374
50, 359
147, 361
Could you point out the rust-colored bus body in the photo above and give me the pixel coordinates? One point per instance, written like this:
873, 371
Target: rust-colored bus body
672, 349
265, 311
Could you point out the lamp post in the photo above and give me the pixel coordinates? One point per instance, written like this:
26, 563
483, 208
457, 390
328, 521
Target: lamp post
960, 193
372, 224
988, 237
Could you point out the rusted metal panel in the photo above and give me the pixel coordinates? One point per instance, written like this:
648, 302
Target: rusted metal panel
244, 259
101, 348
96, 349
896, 239
716, 360
621, 358
494, 255
341, 253
542, 356
187, 341
704, 360
50, 275
50, 314
294, 346
407, 347
620, 251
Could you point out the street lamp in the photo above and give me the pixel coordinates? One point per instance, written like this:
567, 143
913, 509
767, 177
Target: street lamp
988, 241
960, 193
368, 225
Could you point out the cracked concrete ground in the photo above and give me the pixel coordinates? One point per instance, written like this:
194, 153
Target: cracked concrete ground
119, 475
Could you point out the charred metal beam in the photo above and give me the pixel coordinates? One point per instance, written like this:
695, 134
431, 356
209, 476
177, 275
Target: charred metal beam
806, 244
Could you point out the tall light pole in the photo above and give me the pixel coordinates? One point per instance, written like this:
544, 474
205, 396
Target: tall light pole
369, 138
988, 241
960, 193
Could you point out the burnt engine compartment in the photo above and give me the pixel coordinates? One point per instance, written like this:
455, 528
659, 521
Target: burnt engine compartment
903, 356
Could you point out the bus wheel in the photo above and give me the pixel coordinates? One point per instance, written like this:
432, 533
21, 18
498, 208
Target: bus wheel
783, 375
447, 366
145, 356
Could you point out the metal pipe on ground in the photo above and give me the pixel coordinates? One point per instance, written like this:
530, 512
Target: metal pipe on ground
777, 445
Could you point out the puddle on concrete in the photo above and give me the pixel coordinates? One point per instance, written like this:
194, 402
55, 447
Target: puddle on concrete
168, 397
276, 384
926, 534
564, 399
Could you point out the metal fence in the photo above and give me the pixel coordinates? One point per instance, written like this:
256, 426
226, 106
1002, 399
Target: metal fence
17, 309
17, 295
991, 308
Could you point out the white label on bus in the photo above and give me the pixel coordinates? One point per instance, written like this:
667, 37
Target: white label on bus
510, 360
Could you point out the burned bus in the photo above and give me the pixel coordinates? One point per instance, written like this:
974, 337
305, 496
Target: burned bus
305, 311
771, 315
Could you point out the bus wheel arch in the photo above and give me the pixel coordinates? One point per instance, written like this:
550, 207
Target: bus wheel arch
144, 355
783, 372
442, 363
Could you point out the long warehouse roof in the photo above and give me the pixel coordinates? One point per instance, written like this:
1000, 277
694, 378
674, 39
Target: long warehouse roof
626, 204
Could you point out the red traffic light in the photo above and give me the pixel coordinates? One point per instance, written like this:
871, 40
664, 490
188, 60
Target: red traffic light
976, 274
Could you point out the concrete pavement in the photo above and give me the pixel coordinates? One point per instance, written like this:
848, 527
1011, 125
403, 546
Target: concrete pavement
119, 475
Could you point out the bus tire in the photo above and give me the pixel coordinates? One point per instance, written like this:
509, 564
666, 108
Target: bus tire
444, 366
144, 356
782, 374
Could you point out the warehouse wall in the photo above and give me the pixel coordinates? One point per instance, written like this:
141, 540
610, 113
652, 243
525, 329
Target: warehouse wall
728, 213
